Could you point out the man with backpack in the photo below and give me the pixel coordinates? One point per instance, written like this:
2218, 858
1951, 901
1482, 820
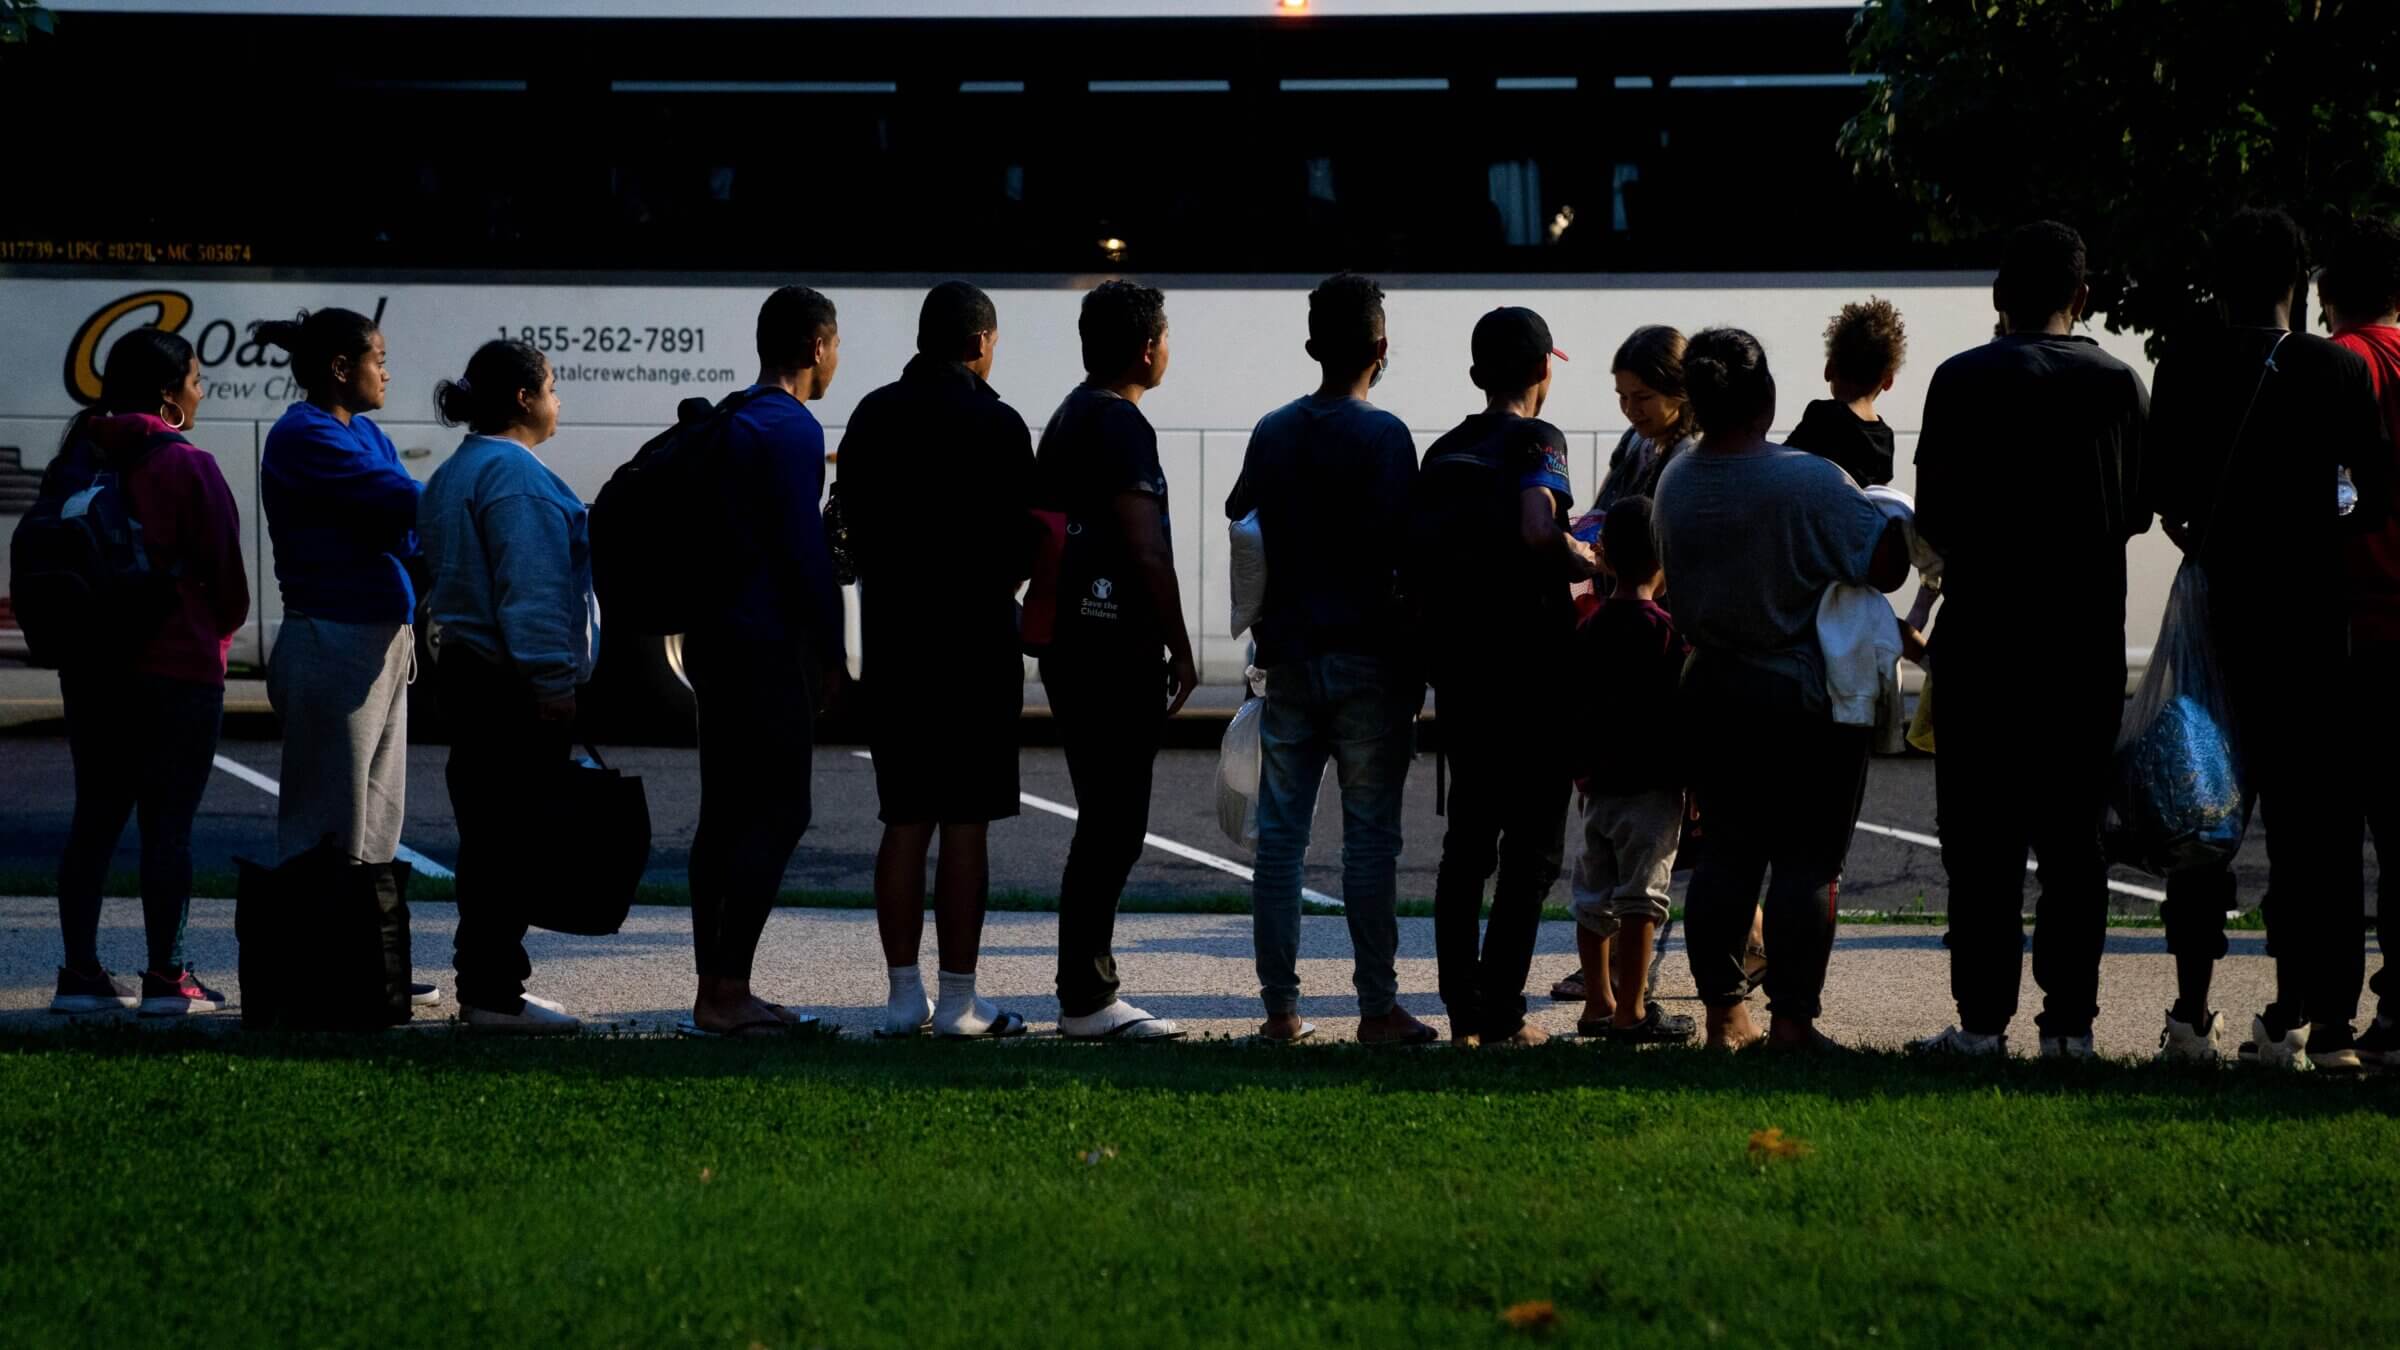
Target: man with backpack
763, 658
1329, 476
1489, 564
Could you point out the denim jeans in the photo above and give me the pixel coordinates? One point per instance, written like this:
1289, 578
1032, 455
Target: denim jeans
1360, 712
1509, 784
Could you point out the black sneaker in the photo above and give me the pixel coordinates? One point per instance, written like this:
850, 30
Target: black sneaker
2379, 1044
2331, 1046
94, 992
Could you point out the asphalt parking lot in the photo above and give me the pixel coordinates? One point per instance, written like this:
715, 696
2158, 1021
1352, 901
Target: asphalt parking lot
1893, 867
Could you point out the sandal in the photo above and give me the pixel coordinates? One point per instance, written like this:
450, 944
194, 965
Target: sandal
1657, 1027
1569, 990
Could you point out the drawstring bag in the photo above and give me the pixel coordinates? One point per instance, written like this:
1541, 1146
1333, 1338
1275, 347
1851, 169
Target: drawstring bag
2178, 800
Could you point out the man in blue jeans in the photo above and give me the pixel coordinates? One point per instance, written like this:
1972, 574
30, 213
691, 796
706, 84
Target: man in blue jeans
1329, 476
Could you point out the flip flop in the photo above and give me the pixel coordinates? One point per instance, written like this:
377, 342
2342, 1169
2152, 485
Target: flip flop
1125, 1031
764, 1029
1007, 1024
1307, 1029
1423, 1035
909, 1035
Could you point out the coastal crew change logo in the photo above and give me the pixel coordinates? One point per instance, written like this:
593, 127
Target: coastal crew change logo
173, 310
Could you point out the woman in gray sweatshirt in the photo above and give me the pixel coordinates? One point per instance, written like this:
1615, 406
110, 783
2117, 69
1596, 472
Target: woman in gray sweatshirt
515, 631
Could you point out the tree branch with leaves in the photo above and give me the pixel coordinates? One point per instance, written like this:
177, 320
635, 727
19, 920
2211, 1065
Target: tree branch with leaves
2140, 122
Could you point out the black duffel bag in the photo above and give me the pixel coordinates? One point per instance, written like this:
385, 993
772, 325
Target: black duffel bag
585, 849
324, 943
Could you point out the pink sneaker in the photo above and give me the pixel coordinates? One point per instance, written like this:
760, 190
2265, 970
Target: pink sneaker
163, 996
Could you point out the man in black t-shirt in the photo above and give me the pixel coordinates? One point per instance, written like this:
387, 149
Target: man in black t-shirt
1120, 662
2026, 477
1489, 565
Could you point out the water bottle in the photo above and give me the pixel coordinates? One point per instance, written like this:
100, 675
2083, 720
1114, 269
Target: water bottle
2345, 495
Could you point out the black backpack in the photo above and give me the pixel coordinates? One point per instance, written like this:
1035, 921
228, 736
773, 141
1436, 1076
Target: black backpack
666, 534
1462, 569
82, 582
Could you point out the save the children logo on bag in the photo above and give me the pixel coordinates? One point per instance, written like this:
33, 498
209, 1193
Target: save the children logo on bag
1101, 603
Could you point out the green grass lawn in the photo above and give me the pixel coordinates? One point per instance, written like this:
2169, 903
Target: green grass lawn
421, 1190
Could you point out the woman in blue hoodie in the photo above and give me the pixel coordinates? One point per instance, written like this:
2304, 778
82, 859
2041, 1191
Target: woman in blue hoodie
342, 518
515, 631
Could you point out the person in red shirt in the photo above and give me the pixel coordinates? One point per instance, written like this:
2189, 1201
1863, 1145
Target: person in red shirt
2359, 291
144, 734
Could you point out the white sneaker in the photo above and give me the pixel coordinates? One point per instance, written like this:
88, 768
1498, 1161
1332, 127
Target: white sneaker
1119, 1021
538, 1019
2184, 1043
540, 1002
1956, 1041
423, 995
2289, 1054
2068, 1047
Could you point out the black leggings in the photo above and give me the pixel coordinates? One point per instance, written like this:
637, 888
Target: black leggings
1779, 791
138, 741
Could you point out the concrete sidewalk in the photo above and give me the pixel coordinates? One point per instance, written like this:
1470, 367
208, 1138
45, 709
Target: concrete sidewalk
1888, 983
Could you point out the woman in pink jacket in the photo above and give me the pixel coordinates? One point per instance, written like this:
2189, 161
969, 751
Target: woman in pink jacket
143, 730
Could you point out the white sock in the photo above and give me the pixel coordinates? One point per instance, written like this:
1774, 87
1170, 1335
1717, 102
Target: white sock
907, 1007
961, 1012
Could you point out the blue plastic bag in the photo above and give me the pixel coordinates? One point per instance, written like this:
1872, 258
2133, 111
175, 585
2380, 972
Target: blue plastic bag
2179, 801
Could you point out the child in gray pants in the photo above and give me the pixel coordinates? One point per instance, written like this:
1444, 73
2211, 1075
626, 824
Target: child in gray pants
1633, 796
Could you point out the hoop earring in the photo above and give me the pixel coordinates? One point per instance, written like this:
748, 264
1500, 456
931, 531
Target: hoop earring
178, 422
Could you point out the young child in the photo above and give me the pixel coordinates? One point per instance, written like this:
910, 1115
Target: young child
1864, 345
1633, 804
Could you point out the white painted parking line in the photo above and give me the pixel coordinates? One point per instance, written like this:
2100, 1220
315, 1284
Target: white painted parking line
1159, 842
1927, 840
425, 866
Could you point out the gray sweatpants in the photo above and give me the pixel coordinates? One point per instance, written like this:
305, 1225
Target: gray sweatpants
342, 692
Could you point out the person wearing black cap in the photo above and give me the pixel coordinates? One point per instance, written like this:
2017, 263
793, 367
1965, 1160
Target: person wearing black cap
942, 698
1489, 565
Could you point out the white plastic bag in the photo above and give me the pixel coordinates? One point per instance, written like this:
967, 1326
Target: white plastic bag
2179, 801
1239, 761
1249, 560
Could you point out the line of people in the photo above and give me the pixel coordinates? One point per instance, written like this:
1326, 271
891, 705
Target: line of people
1705, 655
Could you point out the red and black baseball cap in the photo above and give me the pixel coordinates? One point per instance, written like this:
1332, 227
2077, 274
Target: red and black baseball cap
1510, 346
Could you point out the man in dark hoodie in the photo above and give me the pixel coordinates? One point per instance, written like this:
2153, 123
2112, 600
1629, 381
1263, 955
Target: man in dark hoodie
1864, 345
2255, 424
2359, 290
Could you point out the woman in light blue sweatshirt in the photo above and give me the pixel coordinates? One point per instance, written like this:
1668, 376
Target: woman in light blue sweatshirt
515, 631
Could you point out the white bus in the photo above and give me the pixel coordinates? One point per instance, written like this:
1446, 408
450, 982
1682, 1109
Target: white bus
1557, 160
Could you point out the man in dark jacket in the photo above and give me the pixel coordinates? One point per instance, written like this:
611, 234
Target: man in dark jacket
943, 679
2027, 485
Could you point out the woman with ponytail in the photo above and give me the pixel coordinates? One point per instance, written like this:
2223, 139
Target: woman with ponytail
1752, 534
515, 631
143, 714
342, 519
